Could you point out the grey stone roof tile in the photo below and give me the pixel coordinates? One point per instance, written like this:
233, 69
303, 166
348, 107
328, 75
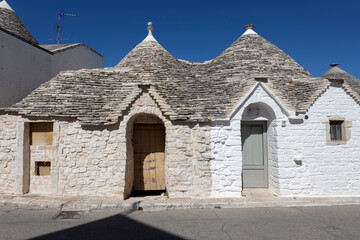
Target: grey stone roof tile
351, 84
184, 91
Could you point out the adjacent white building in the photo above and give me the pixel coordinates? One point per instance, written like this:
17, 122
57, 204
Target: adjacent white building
25, 65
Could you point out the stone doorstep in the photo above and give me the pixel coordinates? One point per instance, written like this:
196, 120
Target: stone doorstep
258, 192
151, 204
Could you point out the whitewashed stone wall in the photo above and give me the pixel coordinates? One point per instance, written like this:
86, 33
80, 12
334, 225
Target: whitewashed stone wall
300, 161
226, 164
273, 161
326, 170
8, 145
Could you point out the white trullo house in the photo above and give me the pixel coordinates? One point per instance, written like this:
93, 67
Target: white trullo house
250, 118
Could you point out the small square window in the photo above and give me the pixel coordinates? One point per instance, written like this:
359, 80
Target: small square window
42, 168
336, 130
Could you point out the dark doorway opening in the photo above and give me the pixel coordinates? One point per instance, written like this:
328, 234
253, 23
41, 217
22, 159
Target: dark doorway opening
148, 193
149, 159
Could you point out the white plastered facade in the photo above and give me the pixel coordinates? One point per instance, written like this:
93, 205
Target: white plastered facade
24, 67
301, 162
325, 169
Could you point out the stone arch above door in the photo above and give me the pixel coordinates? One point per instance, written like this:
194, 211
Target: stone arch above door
145, 111
145, 158
258, 111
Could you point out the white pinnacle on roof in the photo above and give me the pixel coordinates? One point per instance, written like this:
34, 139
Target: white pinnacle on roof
5, 5
249, 29
149, 37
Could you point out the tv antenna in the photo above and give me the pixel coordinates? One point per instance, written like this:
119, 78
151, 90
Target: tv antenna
61, 15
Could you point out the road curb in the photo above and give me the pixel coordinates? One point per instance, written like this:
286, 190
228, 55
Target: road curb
134, 204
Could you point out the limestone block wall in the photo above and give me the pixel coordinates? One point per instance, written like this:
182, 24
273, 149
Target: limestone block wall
187, 152
188, 159
91, 160
41, 184
98, 161
325, 169
8, 146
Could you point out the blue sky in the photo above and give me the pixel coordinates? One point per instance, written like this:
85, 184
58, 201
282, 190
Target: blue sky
315, 33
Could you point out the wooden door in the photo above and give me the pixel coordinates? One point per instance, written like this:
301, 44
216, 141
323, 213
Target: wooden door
149, 157
254, 155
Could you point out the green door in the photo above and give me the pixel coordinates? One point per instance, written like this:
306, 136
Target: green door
253, 155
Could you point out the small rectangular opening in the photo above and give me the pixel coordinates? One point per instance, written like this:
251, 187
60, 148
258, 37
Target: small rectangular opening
261, 79
41, 133
338, 81
42, 168
336, 130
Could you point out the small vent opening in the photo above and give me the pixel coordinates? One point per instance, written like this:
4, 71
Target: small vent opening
42, 168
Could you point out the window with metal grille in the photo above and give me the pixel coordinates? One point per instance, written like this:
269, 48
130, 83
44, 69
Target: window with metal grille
336, 130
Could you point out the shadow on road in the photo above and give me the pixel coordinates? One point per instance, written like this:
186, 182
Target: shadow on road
115, 227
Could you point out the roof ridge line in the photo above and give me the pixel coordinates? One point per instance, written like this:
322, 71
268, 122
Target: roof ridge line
349, 90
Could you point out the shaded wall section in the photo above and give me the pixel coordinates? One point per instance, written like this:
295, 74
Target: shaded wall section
24, 67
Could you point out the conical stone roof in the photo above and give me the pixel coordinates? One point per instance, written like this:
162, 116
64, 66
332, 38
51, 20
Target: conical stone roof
147, 59
336, 73
11, 23
184, 91
251, 54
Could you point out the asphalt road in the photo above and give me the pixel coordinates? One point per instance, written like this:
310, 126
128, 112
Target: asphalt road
336, 222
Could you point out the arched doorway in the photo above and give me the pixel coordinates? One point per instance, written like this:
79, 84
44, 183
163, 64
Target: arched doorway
256, 120
149, 155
